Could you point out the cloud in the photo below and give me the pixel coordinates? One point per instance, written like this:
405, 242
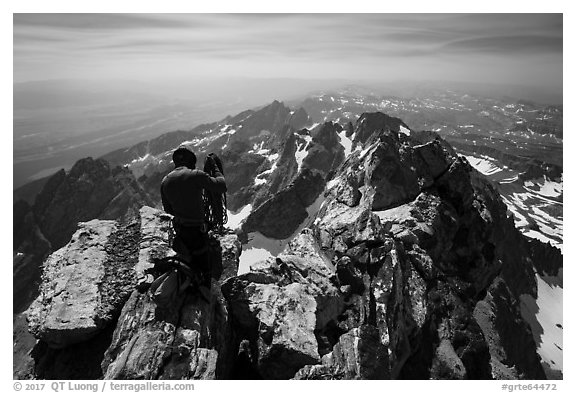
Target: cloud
98, 21
335, 45
529, 44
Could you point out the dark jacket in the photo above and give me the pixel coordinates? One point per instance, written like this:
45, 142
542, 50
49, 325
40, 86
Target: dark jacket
181, 192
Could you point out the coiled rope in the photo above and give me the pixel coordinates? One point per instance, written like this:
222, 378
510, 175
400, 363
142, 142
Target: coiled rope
215, 207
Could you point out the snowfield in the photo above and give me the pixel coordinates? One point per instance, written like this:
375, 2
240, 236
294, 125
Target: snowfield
485, 165
530, 202
544, 315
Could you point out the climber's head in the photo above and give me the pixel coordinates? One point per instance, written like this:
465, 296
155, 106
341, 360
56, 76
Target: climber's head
184, 156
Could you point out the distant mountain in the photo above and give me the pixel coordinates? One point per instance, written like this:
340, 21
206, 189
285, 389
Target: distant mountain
516, 143
59, 122
453, 114
236, 138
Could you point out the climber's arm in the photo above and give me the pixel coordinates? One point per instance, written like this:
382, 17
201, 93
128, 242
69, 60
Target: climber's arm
215, 184
165, 203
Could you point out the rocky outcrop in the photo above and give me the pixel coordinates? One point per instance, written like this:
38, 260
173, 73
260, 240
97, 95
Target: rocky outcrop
191, 339
414, 255
397, 172
88, 300
71, 307
280, 304
91, 189
357, 355
512, 350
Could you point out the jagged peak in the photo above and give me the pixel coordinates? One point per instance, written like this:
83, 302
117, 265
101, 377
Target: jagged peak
89, 166
326, 134
274, 106
371, 122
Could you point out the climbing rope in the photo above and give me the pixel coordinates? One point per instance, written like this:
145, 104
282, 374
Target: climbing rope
215, 208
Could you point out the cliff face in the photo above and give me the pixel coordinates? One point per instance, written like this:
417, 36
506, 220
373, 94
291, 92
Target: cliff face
410, 269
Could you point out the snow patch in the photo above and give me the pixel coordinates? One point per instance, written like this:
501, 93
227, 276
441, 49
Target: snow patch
549, 188
404, 130
302, 151
530, 208
484, 165
332, 183
313, 126
138, 166
272, 158
544, 314
140, 159
259, 248
259, 181
251, 256
235, 219
346, 143
259, 149
509, 180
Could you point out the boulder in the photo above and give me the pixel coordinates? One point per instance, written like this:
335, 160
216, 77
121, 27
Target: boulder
69, 307
357, 355
512, 353
280, 304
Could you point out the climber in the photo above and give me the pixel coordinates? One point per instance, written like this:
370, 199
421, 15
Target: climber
183, 193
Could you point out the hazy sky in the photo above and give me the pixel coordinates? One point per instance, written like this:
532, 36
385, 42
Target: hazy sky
522, 49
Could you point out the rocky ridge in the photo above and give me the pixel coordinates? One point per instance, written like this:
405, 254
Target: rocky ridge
91, 189
406, 272
88, 300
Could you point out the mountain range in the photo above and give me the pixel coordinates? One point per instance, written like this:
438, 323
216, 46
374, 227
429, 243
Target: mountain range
381, 237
